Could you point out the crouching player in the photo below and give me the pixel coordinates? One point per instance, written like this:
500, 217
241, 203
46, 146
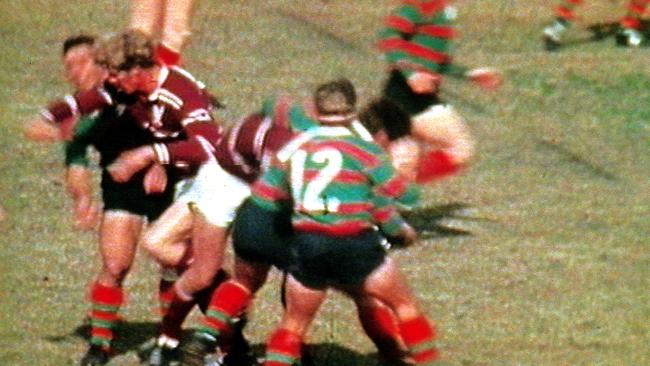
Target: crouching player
338, 186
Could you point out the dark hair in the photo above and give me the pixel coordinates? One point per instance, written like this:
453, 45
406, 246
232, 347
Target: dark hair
335, 97
126, 50
383, 114
78, 40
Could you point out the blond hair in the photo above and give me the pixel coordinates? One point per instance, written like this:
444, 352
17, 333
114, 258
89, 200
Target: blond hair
124, 51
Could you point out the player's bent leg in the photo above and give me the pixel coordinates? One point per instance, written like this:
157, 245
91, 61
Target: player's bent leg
175, 29
165, 239
118, 236
381, 325
284, 346
442, 127
448, 138
388, 285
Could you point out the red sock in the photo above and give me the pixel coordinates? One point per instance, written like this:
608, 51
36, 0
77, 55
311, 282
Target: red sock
228, 301
635, 12
435, 165
166, 56
380, 325
105, 305
418, 336
283, 348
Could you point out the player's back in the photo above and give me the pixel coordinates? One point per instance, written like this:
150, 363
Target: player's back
332, 178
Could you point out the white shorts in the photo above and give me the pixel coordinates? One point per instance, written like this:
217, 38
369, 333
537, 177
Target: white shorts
215, 193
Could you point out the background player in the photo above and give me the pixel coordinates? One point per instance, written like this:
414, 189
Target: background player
630, 24
416, 42
169, 21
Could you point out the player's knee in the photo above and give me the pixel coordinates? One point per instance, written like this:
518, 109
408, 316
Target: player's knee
115, 271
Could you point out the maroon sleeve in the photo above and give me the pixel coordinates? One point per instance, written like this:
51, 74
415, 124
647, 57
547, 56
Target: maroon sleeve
81, 103
199, 146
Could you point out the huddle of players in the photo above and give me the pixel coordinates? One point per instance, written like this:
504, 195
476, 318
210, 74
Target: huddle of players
320, 188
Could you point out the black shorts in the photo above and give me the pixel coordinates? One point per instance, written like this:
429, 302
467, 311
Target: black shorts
131, 197
399, 92
263, 236
324, 260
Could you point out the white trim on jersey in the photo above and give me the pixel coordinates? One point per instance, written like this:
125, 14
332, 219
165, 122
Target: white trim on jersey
232, 148
170, 98
197, 115
72, 103
162, 153
48, 115
262, 131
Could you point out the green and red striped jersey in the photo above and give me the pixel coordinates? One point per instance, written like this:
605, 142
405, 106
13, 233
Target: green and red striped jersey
417, 36
337, 182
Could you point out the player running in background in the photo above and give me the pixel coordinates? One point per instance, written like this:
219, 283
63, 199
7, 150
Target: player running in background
338, 186
630, 24
168, 21
416, 42
154, 105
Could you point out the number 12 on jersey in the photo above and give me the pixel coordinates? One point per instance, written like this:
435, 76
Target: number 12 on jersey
308, 191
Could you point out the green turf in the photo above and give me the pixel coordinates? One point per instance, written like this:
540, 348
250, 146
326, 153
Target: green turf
553, 267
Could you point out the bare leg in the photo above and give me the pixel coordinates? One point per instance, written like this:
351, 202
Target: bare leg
166, 238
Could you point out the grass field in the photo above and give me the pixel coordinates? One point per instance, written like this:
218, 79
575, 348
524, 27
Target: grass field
554, 269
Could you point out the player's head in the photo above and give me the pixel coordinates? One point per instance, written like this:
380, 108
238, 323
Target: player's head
336, 102
129, 58
79, 63
385, 120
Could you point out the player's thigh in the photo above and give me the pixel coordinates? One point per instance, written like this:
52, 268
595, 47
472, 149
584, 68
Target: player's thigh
215, 194
146, 16
441, 126
118, 238
172, 227
263, 236
302, 304
388, 285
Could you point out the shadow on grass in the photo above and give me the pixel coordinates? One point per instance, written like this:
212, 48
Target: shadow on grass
321, 354
454, 219
130, 336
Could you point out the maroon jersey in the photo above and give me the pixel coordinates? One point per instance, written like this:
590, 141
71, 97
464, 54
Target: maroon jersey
177, 114
247, 147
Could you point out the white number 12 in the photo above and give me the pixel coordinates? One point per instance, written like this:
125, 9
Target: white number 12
310, 199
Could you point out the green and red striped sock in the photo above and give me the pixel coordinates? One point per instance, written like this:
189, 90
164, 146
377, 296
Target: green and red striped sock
635, 11
105, 305
565, 10
419, 336
283, 348
227, 302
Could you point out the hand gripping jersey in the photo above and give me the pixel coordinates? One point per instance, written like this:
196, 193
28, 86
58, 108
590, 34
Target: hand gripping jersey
176, 115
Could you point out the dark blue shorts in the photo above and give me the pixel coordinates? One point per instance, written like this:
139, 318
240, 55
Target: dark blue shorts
324, 260
263, 236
